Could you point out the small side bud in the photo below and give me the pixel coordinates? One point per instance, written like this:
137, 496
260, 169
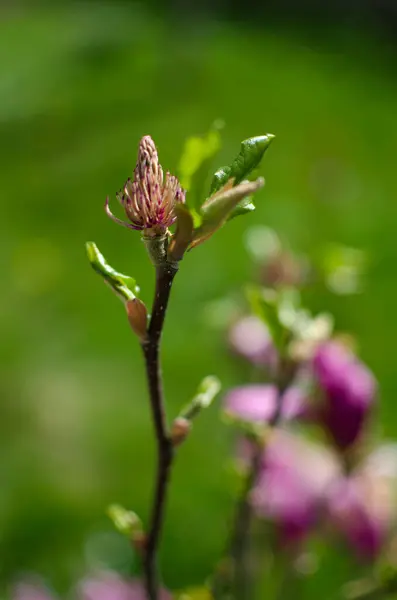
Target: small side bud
207, 390
139, 541
180, 430
137, 317
125, 521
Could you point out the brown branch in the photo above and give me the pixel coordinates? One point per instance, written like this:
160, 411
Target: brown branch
165, 274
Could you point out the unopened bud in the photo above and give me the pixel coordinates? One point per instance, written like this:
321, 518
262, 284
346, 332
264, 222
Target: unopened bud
150, 198
126, 521
137, 317
180, 430
139, 541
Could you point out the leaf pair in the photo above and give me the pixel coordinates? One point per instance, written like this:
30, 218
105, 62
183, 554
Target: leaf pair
230, 195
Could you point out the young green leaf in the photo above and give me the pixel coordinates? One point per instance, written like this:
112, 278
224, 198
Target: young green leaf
244, 207
124, 286
206, 392
249, 157
126, 521
218, 208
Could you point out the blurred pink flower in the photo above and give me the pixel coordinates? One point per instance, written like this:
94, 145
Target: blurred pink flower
349, 390
293, 484
31, 590
250, 338
362, 506
258, 403
107, 585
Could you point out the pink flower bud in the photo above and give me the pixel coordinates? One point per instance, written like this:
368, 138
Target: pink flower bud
349, 390
150, 199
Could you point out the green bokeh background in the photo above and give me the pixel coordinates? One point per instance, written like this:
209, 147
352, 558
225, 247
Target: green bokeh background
79, 85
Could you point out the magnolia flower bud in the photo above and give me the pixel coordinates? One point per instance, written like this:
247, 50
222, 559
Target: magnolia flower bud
348, 390
149, 201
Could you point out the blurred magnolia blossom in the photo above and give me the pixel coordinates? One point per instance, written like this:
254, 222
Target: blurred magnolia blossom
250, 338
258, 403
348, 391
104, 585
293, 484
301, 485
31, 589
362, 506
108, 585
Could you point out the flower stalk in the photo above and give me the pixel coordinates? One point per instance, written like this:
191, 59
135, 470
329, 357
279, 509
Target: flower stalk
165, 274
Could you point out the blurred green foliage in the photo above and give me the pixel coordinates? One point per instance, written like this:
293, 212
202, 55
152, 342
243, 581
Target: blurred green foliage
79, 86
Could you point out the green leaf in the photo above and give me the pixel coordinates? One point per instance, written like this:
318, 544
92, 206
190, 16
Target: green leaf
196, 162
124, 286
206, 392
245, 207
249, 157
125, 521
217, 209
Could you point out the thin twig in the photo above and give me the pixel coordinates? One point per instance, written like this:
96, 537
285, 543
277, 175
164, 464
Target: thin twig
165, 274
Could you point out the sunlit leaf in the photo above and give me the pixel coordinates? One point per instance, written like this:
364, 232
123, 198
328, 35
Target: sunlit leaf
125, 521
123, 285
248, 159
216, 210
245, 207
